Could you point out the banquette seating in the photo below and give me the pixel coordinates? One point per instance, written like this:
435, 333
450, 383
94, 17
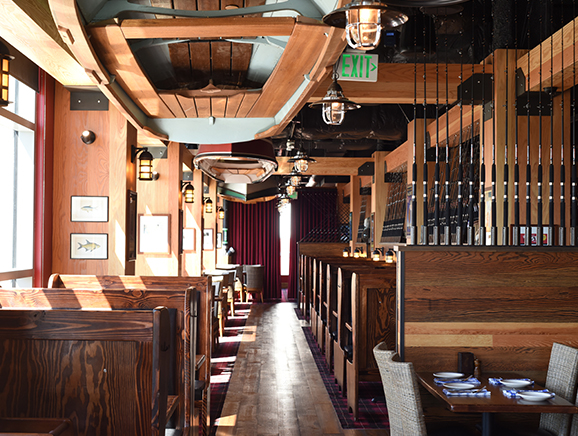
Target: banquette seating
106, 371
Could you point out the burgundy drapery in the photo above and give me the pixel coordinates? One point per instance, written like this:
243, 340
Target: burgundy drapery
313, 209
254, 234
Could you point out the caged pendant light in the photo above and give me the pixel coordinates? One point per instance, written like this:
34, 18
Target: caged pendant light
300, 164
363, 22
334, 104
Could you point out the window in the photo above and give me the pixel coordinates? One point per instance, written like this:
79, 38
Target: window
17, 181
285, 235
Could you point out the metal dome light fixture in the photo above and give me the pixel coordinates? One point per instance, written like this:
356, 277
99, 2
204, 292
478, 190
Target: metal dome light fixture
295, 178
363, 22
300, 162
334, 104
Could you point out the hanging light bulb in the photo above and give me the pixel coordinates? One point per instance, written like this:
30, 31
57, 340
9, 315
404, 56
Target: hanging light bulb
300, 161
363, 21
334, 104
290, 189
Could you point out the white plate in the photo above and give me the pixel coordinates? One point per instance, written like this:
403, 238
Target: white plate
516, 383
535, 396
459, 385
448, 375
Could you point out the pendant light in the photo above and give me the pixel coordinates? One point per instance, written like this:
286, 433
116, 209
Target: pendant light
295, 178
363, 22
334, 104
300, 162
290, 189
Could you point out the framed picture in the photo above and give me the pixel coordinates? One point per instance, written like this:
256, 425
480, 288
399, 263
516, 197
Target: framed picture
131, 216
219, 240
89, 246
208, 239
88, 209
189, 242
153, 233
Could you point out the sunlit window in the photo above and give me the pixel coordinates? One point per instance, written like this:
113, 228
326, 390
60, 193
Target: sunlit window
17, 181
285, 235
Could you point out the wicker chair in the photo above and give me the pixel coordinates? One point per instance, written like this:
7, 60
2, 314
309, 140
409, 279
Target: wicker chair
574, 428
561, 379
254, 280
384, 357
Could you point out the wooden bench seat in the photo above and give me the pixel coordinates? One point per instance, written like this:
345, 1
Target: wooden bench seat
105, 370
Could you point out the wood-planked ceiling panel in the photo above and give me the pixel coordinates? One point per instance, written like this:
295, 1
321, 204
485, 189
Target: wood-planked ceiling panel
181, 60
203, 107
116, 54
173, 104
297, 59
200, 64
188, 105
247, 103
233, 105
218, 106
221, 62
240, 59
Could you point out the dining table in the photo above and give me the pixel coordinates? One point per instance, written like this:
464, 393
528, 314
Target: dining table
495, 402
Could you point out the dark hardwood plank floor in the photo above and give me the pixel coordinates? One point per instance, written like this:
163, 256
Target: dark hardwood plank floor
276, 388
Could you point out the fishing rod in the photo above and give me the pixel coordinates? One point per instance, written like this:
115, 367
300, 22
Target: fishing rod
539, 230
573, 172
413, 226
528, 226
550, 229
447, 228
506, 170
436, 227
562, 232
424, 227
482, 208
493, 228
516, 229
459, 227
470, 225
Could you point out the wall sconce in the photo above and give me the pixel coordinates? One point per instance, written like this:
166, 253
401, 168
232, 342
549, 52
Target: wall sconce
88, 136
145, 167
301, 161
5, 59
389, 256
363, 21
188, 192
221, 213
334, 104
346, 252
357, 253
208, 205
376, 255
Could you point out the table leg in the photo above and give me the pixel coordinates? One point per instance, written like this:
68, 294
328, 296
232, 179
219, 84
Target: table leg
487, 419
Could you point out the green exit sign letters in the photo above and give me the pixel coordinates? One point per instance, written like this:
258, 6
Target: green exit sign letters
358, 67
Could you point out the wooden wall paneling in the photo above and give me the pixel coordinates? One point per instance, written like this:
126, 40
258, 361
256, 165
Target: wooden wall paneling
122, 178
506, 305
79, 169
175, 157
193, 218
379, 192
321, 249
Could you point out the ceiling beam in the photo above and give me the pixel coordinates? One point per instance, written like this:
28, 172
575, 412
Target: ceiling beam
325, 166
549, 71
395, 84
207, 28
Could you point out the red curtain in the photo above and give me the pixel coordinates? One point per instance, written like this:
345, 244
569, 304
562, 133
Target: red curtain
314, 212
254, 234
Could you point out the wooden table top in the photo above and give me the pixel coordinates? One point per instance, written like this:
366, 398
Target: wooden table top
497, 402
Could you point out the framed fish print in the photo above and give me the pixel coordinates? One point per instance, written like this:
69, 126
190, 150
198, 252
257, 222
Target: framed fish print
89, 246
89, 209
153, 233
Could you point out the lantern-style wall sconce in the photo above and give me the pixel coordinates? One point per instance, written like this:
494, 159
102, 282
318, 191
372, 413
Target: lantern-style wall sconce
145, 167
221, 213
188, 192
376, 255
5, 59
208, 205
389, 256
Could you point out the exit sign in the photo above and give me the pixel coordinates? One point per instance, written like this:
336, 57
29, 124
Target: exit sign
358, 67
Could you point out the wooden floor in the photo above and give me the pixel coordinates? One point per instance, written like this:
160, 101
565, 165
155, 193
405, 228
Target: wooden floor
276, 388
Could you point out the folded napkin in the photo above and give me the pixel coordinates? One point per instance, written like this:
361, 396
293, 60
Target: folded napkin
465, 393
515, 393
441, 381
497, 381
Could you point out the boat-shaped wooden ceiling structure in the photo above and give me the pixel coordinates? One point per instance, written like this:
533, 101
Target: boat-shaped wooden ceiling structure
205, 71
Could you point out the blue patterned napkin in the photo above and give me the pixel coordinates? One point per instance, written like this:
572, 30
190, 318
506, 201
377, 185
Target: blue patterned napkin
441, 381
465, 393
514, 393
497, 381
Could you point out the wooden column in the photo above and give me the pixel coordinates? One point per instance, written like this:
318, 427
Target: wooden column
379, 194
193, 219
